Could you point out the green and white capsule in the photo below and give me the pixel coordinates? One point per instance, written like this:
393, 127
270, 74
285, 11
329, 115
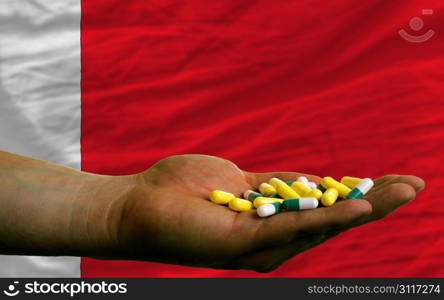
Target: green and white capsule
306, 182
312, 185
303, 180
269, 209
321, 188
251, 195
361, 189
300, 203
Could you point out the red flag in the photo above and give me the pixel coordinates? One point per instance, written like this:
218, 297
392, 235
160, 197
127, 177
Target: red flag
328, 88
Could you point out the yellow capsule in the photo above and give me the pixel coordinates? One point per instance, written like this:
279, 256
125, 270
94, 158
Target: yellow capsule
351, 182
265, 200
316, 193
221, 197
283, 189
329, 197
238, 204
343, 190
300, 188
267, 189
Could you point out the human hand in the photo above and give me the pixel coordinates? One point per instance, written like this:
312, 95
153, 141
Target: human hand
167, 217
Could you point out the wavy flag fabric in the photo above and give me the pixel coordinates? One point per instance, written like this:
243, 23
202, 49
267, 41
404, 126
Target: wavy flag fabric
40, 100
330, 88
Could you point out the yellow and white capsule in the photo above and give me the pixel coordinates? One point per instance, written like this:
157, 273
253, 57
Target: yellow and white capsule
267, 189
316, 193
221, 197
351, 182
238, 204
265, 200
300, 188
329, 197
283, 189
329, 182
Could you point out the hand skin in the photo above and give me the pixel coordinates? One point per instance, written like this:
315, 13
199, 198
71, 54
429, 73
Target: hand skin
164, 215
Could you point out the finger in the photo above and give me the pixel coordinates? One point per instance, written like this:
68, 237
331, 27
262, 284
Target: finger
255, 179
386, 200
269, 259
417, 183
287, 226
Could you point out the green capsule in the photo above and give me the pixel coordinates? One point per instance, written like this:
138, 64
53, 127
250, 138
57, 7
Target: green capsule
251, 195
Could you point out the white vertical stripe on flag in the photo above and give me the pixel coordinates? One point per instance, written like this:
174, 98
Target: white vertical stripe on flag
40, 100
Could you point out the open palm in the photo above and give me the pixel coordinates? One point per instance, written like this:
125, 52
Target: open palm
168, 218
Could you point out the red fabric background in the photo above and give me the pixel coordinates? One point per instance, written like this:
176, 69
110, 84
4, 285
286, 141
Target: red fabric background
323, 87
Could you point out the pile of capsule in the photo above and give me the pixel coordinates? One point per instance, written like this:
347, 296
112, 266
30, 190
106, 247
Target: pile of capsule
277, 195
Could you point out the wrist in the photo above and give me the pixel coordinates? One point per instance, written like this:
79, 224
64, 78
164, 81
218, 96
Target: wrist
47, 209
97, 215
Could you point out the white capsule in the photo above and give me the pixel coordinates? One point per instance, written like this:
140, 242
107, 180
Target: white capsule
365, 185
308, 203
312, 185
267, 210
303, 179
